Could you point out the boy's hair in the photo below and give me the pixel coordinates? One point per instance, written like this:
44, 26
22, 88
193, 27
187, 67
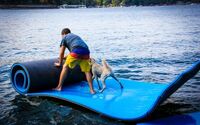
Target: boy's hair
65, 31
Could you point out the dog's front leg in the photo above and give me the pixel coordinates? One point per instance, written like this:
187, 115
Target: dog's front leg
103, 78
117, 80
98, 83
93, 77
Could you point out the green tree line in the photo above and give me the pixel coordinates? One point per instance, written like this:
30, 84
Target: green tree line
98, 2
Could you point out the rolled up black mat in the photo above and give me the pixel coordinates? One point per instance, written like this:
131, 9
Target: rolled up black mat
41, 75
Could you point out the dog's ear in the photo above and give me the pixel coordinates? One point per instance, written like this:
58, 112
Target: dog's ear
104, 63
104, 59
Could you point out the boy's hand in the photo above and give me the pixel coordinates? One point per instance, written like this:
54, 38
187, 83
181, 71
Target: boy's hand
57, 64
65, 57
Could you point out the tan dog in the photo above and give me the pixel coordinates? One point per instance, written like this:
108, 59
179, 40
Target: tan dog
102, 71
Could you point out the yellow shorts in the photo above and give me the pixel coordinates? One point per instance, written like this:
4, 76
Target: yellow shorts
84, 64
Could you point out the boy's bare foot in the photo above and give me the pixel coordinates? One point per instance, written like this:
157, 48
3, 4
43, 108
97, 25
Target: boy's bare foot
57, 89
92, 92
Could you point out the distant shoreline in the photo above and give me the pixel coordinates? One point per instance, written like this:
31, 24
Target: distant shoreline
29, 7
57, 7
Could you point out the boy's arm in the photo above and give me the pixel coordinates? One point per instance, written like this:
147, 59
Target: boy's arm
61, 56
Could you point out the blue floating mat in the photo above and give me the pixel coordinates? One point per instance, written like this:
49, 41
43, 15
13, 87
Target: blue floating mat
137, 100
185, 119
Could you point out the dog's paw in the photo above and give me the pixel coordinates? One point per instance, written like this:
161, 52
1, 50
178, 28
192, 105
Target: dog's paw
101, 90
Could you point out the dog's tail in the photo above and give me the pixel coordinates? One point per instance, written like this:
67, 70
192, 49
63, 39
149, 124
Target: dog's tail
105, 64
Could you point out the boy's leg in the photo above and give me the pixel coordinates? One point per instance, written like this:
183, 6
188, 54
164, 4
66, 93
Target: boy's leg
69, 63
89, 80
85, 67
63, 75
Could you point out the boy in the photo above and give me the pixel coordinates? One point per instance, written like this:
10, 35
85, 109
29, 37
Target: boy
79, 54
